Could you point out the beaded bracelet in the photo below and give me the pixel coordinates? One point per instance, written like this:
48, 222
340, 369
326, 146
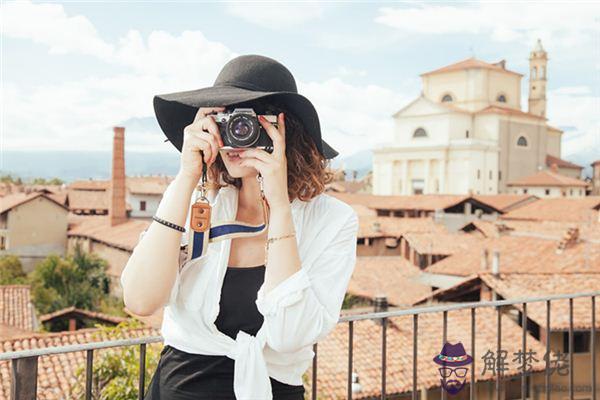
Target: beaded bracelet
169, 224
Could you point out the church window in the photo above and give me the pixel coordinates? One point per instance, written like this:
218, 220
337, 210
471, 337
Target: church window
447, 98
499, 175
467, 134
478, 174
522, 141
501, 98
534, 73
491, 174
420, 132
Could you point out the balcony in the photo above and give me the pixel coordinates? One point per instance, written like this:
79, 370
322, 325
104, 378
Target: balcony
405, 369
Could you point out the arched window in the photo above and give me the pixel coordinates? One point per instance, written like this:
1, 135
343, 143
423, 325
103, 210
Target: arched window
501, 98
420, 132
447, 98
522, 141
543, 74
534, 73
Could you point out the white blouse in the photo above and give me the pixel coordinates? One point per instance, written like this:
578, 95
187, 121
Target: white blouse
298, 312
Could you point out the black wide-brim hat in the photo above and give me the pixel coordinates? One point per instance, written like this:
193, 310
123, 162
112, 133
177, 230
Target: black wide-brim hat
242, 79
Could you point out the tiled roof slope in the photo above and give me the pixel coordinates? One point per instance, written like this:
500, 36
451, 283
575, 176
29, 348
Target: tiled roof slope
333, 352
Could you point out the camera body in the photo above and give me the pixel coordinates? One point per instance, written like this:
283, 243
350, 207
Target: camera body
240, 128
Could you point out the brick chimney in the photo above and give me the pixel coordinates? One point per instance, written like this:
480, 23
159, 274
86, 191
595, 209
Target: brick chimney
117, 211
570, 238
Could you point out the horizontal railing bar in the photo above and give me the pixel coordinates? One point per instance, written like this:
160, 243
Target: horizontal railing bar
451, 307
346, 318
79, 347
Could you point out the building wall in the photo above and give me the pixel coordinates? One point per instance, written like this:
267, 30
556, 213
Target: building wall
474, 89
516, 161
581, 373
36, 229
549, 192
570, 172
152, 202
554, 143
596, 179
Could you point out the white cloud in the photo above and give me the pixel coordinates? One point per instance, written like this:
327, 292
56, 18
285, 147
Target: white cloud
353, 118
576, 107
555, 22
278, 15
48, 24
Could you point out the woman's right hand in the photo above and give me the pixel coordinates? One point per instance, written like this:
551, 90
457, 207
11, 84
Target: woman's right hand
201, 140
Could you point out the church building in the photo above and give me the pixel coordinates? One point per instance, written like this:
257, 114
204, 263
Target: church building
466, 132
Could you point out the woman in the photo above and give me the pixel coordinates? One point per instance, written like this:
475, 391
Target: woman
240, 319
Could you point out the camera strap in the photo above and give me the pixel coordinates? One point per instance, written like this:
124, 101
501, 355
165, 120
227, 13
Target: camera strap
202, 231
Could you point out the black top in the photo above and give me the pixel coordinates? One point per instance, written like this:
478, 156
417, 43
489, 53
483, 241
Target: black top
183, 376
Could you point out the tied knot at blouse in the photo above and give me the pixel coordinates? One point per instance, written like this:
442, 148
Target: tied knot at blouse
298, 312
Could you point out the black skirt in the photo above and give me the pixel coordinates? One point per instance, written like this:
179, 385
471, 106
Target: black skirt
186, 376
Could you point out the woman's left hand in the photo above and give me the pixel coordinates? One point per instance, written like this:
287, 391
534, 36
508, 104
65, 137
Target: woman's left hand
272, 166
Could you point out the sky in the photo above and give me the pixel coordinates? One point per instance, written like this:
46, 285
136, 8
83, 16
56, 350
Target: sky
73, 70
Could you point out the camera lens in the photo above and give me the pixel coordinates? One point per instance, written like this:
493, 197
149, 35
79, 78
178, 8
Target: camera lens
243, 131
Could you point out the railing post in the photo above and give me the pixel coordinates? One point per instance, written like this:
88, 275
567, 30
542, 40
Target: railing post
142, 380
24, 378
415, 355
350, 349
571, 344
383, 356
498, 352
547, 381
314, 374
593, 347
89, 374
472, 386
524, 359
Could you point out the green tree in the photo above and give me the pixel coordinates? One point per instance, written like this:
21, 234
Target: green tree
11, 270
116, 371
78, 280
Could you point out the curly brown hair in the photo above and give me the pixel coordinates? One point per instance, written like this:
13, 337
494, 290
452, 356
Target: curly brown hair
307, 169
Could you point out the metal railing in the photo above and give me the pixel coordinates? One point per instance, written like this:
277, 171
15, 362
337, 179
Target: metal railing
24, 362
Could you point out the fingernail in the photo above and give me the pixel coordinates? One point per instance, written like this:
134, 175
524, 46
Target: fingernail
261, 118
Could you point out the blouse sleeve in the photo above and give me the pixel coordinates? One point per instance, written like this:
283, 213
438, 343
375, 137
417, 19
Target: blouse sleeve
305, 307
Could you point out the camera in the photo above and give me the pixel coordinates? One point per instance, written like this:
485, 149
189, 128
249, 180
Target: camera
240, 128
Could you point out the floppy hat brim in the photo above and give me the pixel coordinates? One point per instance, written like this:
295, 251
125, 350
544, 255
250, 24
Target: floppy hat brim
175, 111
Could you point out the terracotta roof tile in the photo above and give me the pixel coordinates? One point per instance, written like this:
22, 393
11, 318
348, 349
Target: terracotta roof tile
548, 178
513, 286
561, 163
426, 202
333, 352
86, 313
88, 200
558, 209
124, 236
524, 254
505, 202
470, 63
494, 109
16, 309
15, 199
439, 243
56, 373
390, 276
395, 227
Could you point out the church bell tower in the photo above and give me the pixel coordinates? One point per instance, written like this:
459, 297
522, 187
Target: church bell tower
538, 62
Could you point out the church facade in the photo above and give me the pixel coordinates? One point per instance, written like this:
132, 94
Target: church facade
466, 132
